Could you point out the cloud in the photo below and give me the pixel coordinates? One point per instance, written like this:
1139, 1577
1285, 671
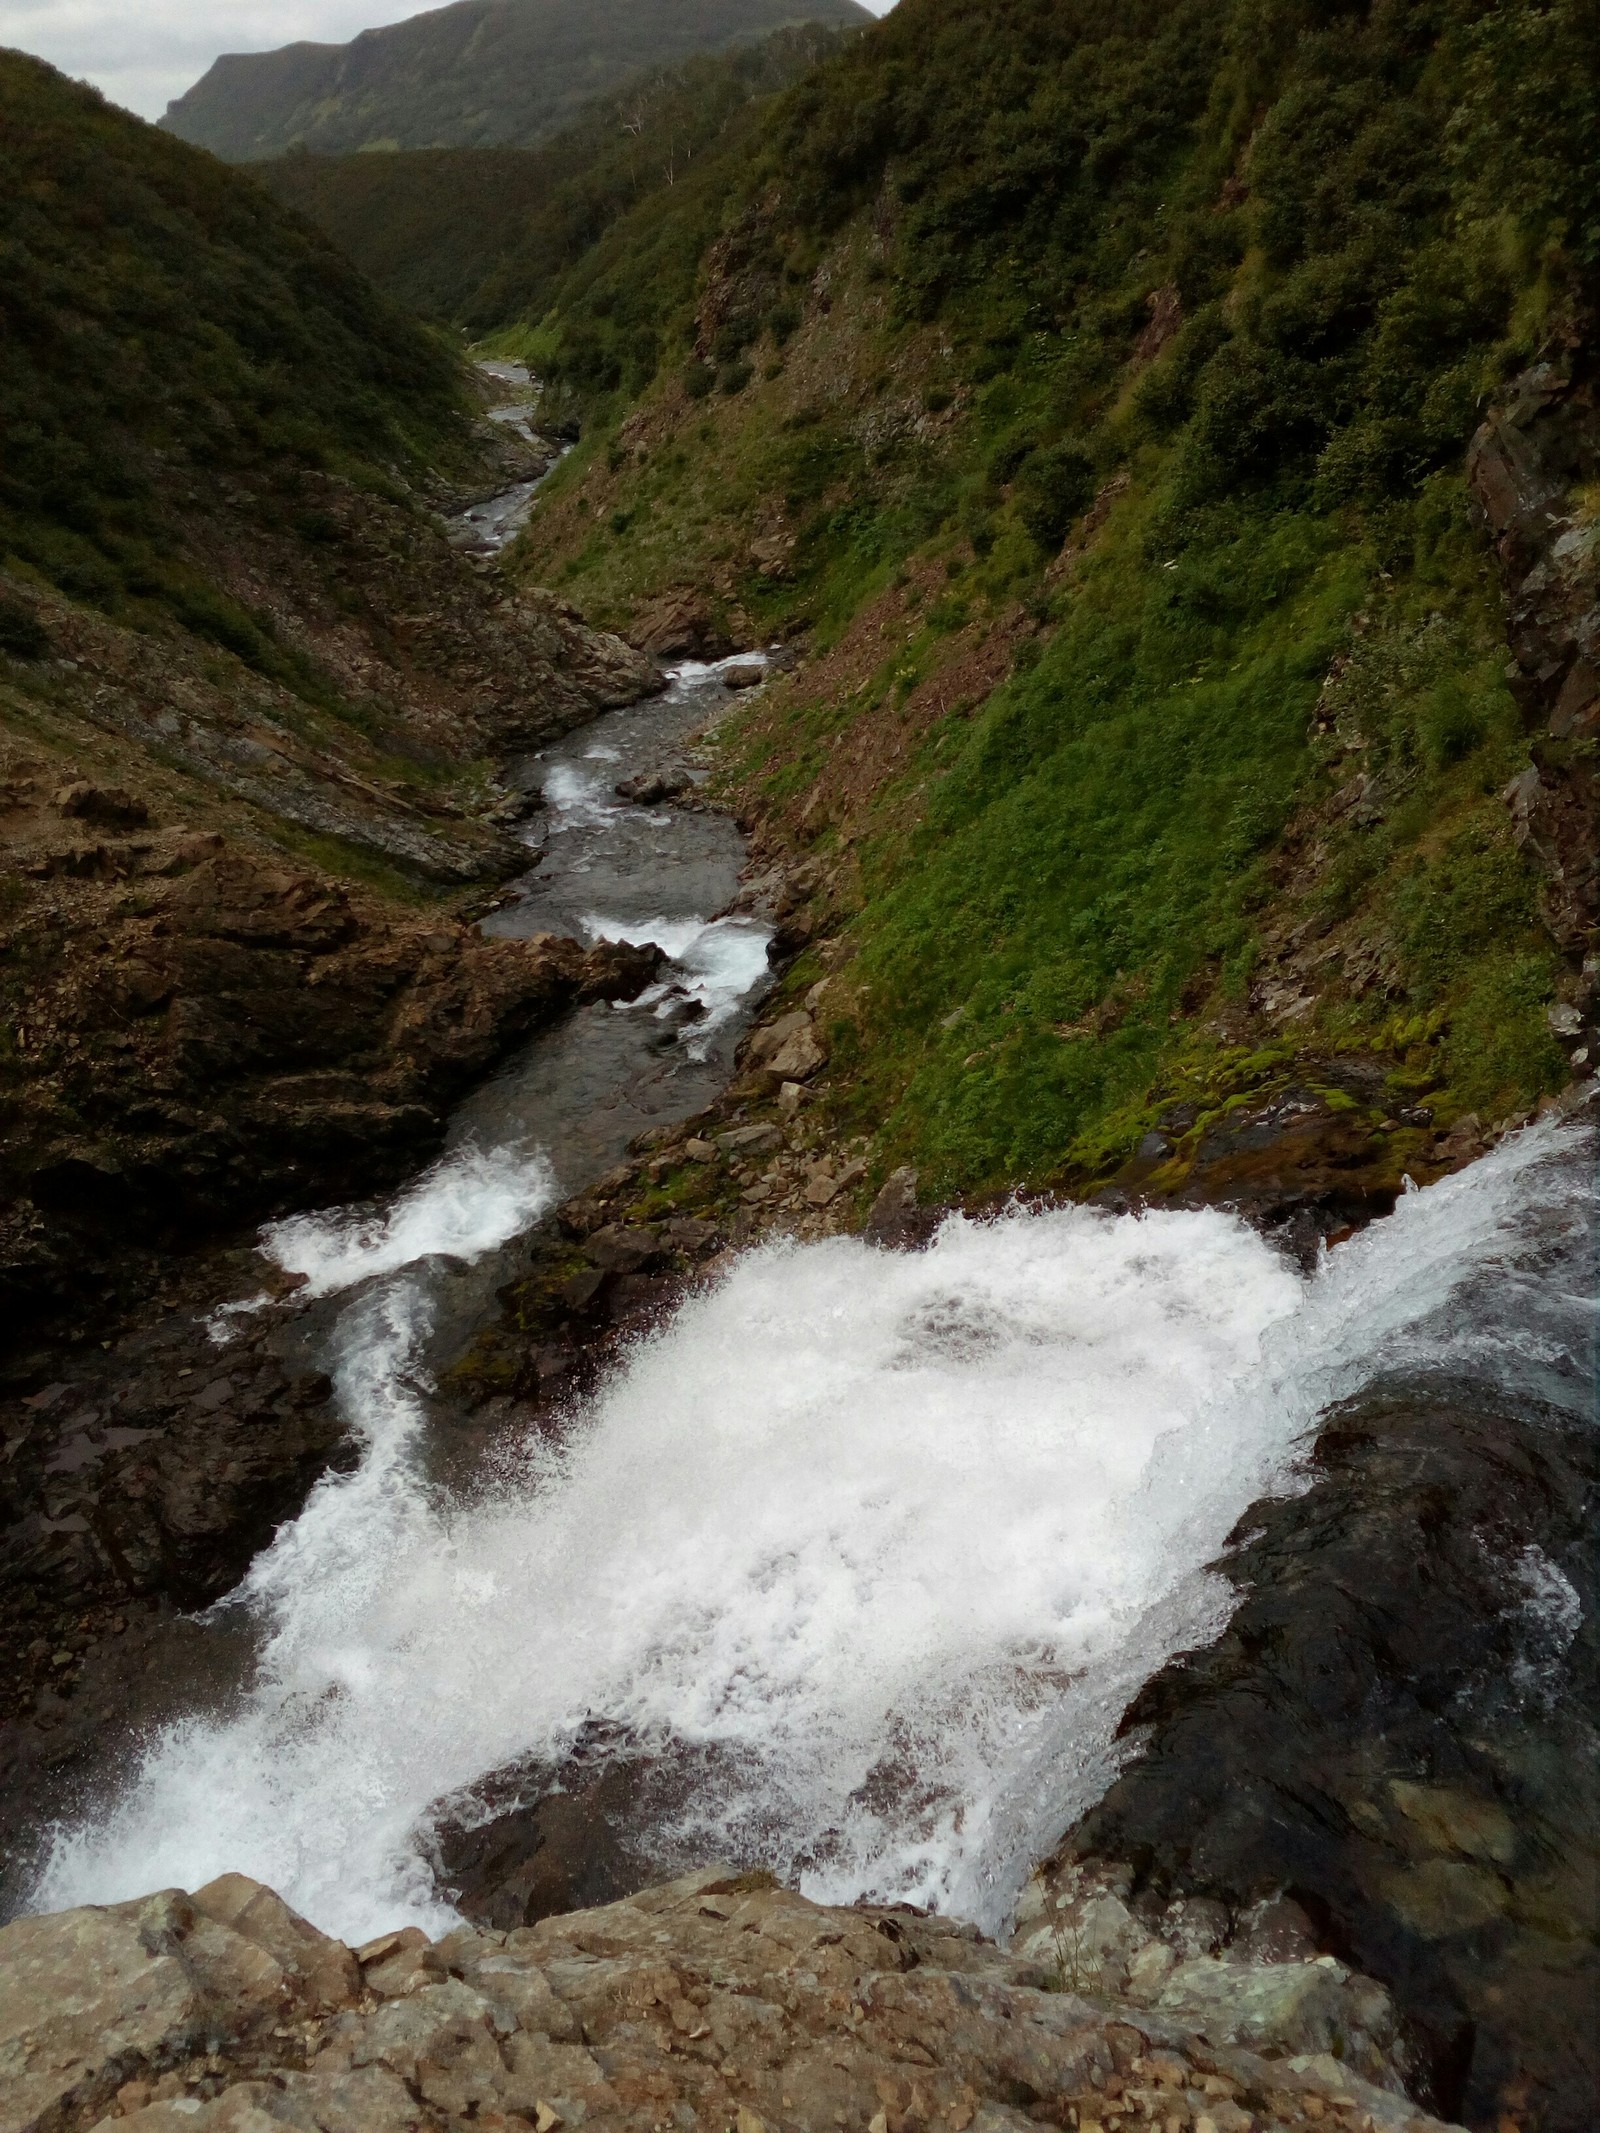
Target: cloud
143, 53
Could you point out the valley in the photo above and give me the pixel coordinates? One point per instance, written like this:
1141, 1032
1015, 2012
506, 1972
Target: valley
801, 978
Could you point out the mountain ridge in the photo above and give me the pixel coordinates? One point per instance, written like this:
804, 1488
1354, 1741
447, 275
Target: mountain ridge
474, 235
477, 73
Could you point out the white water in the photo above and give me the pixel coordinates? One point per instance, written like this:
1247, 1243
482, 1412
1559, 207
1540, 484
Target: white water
463, 1206
716, 960
899, 1534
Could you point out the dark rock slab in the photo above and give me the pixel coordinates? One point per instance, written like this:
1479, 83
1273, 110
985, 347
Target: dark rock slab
538, 1838
1398, 1729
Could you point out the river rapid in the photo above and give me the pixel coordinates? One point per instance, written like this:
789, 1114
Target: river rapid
882, 1543
874, 1547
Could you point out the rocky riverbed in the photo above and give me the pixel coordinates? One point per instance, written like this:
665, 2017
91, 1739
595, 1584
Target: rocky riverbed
1315, 1845
717, 2000
325, 1039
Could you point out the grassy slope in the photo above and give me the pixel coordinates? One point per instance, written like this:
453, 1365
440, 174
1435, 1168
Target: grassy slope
480, 235
1062, 890
480, 73
166, 323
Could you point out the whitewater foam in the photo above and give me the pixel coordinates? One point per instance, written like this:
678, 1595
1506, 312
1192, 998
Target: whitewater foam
468, 1202
896, 1535
717, 960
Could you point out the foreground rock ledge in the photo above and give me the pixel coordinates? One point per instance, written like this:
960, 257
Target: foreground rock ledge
718, 2000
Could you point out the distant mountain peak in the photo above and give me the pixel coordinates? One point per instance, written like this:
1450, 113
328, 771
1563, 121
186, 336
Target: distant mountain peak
480, 73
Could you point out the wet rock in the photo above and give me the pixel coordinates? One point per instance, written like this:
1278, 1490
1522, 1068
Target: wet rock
536, 1839
747, 675
718, 1999
1302, 1160
651, 787
615, 1249
246, 1036
1397, 1729
1464, 1141
582, 1293
894, 1220
618, 970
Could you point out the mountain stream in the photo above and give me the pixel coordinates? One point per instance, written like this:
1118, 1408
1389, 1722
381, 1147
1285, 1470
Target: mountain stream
887, 1539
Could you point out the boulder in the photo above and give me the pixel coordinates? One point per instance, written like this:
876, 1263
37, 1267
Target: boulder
770, 1039
96, 1998
618, 970
109, 805
651, 787
1316, 2006
751, 1140
616, 1250
679, 625
798, 1057
893, 1220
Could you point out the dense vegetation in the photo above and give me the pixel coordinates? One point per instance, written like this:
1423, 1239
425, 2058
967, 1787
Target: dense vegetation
163, 321
482, 235
478, 74
1257, 265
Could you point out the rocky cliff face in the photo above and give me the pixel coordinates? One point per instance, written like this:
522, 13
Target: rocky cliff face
209, 1016
203, 1031
717, 2000
1531, 473
1397, 1725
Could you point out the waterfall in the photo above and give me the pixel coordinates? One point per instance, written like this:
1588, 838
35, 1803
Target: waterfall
896, 1535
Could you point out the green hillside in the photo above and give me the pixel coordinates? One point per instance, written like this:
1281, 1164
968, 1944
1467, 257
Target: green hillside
164, 321
478, 74
1215, 293
480, 235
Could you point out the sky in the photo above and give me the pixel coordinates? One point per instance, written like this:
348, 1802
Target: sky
143, 53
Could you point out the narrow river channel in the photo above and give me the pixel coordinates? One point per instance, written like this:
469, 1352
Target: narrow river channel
871, 1549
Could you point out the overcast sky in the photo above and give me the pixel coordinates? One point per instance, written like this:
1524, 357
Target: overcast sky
143, 53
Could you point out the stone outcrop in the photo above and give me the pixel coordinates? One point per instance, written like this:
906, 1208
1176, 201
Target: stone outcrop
1397, 1726
718, 2000
415, 665
204, 1033
1257, 1974
1527, 472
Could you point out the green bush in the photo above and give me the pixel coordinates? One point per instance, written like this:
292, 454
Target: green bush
22, 634
1055, 485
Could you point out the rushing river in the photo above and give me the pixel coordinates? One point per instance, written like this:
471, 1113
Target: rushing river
897, 1534
882, 1543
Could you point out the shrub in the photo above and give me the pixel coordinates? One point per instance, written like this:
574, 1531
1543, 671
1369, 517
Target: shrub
22, 634
1056, 484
